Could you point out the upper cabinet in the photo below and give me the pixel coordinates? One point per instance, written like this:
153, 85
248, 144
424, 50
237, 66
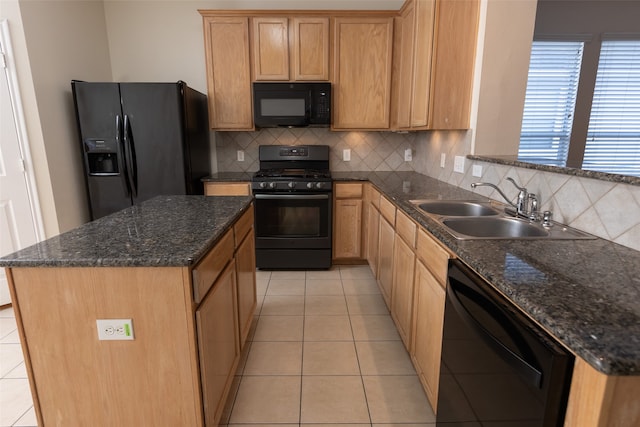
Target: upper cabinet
226, 40
270, 45
390, 70
295, 48
362, 54
454, 55
434, 54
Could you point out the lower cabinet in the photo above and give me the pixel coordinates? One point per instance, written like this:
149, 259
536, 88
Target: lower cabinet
427, 333
385, 259
219, 188
428, 312
348, 222
246, 278
218, 343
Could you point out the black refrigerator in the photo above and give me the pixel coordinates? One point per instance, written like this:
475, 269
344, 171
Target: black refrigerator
140, 140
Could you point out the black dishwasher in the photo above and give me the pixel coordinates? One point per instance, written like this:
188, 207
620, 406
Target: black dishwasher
498, 368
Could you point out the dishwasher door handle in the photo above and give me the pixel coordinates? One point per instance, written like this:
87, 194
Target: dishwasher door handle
523, 367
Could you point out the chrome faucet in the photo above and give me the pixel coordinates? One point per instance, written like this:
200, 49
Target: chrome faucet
527, 204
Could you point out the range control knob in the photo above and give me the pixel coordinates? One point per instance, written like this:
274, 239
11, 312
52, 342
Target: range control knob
309, 184
262, 184
320, 185
291, 184
272, 185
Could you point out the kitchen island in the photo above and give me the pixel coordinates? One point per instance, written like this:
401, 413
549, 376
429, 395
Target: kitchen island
182, 269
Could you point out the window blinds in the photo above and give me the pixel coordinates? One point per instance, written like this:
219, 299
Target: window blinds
554, 72
613, 137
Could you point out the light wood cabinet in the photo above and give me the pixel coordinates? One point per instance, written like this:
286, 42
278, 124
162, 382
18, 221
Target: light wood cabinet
270, 46
290, 48
372, 227
226, 40
310, 48
427, 331
218, 188
245, 273
428, 312
454, 51
362, 57
413, 47
347, 232
403, 272
386, 237
218, 343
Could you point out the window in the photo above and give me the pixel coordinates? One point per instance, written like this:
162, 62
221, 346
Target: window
613, 136
550, 101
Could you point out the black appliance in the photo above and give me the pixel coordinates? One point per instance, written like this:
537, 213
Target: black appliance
293, 200
140, 140
498, 367
291, 104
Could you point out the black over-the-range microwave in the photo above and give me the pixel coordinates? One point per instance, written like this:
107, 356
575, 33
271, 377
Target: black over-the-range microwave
291, 104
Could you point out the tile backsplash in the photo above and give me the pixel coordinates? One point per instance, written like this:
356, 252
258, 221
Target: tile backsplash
606, 209
370, 151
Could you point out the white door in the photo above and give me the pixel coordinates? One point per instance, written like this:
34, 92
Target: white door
17, 224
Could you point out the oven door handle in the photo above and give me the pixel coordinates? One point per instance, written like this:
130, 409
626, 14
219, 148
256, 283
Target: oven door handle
292, 196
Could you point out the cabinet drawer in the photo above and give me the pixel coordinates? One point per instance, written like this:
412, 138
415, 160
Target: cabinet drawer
434, 256
388, 210
209, 268
242, 226
227, 189
348, 191
406, 228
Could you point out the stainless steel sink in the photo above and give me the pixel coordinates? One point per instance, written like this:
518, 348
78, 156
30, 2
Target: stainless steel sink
455, 207
494, 228
467, 220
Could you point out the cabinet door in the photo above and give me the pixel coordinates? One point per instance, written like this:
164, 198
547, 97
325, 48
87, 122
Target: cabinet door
226, 42
385, 259
403, 55
427, 333
402, 298
246, 276
362, 56
270, 41
217, 324
453, 63
347, 229
373, 230
422, 54
310, 48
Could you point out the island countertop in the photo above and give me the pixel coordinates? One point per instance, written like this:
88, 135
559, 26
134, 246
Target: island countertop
166, 231
585, 292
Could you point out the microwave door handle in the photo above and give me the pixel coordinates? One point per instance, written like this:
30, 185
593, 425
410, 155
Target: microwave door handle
524, 368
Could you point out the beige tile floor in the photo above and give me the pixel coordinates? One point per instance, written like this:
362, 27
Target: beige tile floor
323, 350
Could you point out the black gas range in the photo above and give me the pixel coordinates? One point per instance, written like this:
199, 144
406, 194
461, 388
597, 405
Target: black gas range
293, 202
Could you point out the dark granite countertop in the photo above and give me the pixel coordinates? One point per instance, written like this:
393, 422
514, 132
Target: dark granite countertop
165, 231
229, 177
585, 292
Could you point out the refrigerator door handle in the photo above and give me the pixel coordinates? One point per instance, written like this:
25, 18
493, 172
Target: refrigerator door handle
122, 158
130, 157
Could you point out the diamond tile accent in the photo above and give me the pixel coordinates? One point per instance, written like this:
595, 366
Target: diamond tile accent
380, 151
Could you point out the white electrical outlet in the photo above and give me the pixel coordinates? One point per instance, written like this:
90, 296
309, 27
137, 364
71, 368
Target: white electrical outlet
477, 170
114, 329
408, 155
346, 155
443, 158
458, 164
240, 156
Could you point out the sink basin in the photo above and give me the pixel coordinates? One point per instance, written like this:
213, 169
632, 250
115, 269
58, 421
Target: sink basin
455, 208
494, 228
